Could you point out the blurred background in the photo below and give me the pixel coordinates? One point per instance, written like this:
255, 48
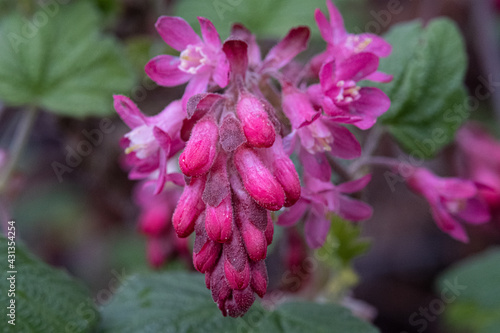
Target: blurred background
82, 216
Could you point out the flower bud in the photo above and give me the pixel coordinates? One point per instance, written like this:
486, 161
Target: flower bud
236, 266
258, 181
259, 278
189, 208
287, 176
206, 258
257, 127
219, 221
241, 302
236, 280
201, 149
269, 229
255, 241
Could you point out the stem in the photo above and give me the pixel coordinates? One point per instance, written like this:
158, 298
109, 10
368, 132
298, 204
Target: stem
384, 161
16, 147
371, 144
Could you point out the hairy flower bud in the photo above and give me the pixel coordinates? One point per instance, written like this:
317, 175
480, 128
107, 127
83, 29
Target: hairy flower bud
201, 148
259, 278
255, 241
206, 258
258, 181
257, 127
190, 206
219, 220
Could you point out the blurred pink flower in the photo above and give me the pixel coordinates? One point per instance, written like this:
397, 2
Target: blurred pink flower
320, 198
452, 201
151, 141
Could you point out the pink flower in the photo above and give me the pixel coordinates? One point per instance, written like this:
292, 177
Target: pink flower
151, 141
201, 62
320, 198
342, 45
482, 158
452, 201
341, 97
155, 222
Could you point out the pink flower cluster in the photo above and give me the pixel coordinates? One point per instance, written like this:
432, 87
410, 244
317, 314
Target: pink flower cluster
238, 122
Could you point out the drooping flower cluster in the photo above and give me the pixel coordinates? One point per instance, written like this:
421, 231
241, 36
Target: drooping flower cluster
238, 122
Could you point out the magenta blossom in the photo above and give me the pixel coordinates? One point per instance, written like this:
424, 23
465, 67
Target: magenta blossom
155, 222
151, 141
452, 201
342, 45
201, 62
482, 159
321, 198
341, 97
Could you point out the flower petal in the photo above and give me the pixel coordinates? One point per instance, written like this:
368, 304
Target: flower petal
448, 224
176, 32
354, 210
197, 85
355, 185
325, 29
372, 104
357, 67
221, 71
380, 77
476, 212
282, 53
237, 54
345, 145
293, 214
164, 70
316, 165
128, 111
209, 33
336, 21
316, 229
238, 31
378, 46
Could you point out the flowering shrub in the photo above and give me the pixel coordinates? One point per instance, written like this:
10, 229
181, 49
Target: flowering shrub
240, 119
255, 174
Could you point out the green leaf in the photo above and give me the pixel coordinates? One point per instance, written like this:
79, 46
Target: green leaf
180, 302
343, 243
427, 93
269, 18
64, 65
473, 284
46, 299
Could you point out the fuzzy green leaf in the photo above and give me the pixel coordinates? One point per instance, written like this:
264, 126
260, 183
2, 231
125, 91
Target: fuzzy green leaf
59, 61
46, 299
427, 93
179, 302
